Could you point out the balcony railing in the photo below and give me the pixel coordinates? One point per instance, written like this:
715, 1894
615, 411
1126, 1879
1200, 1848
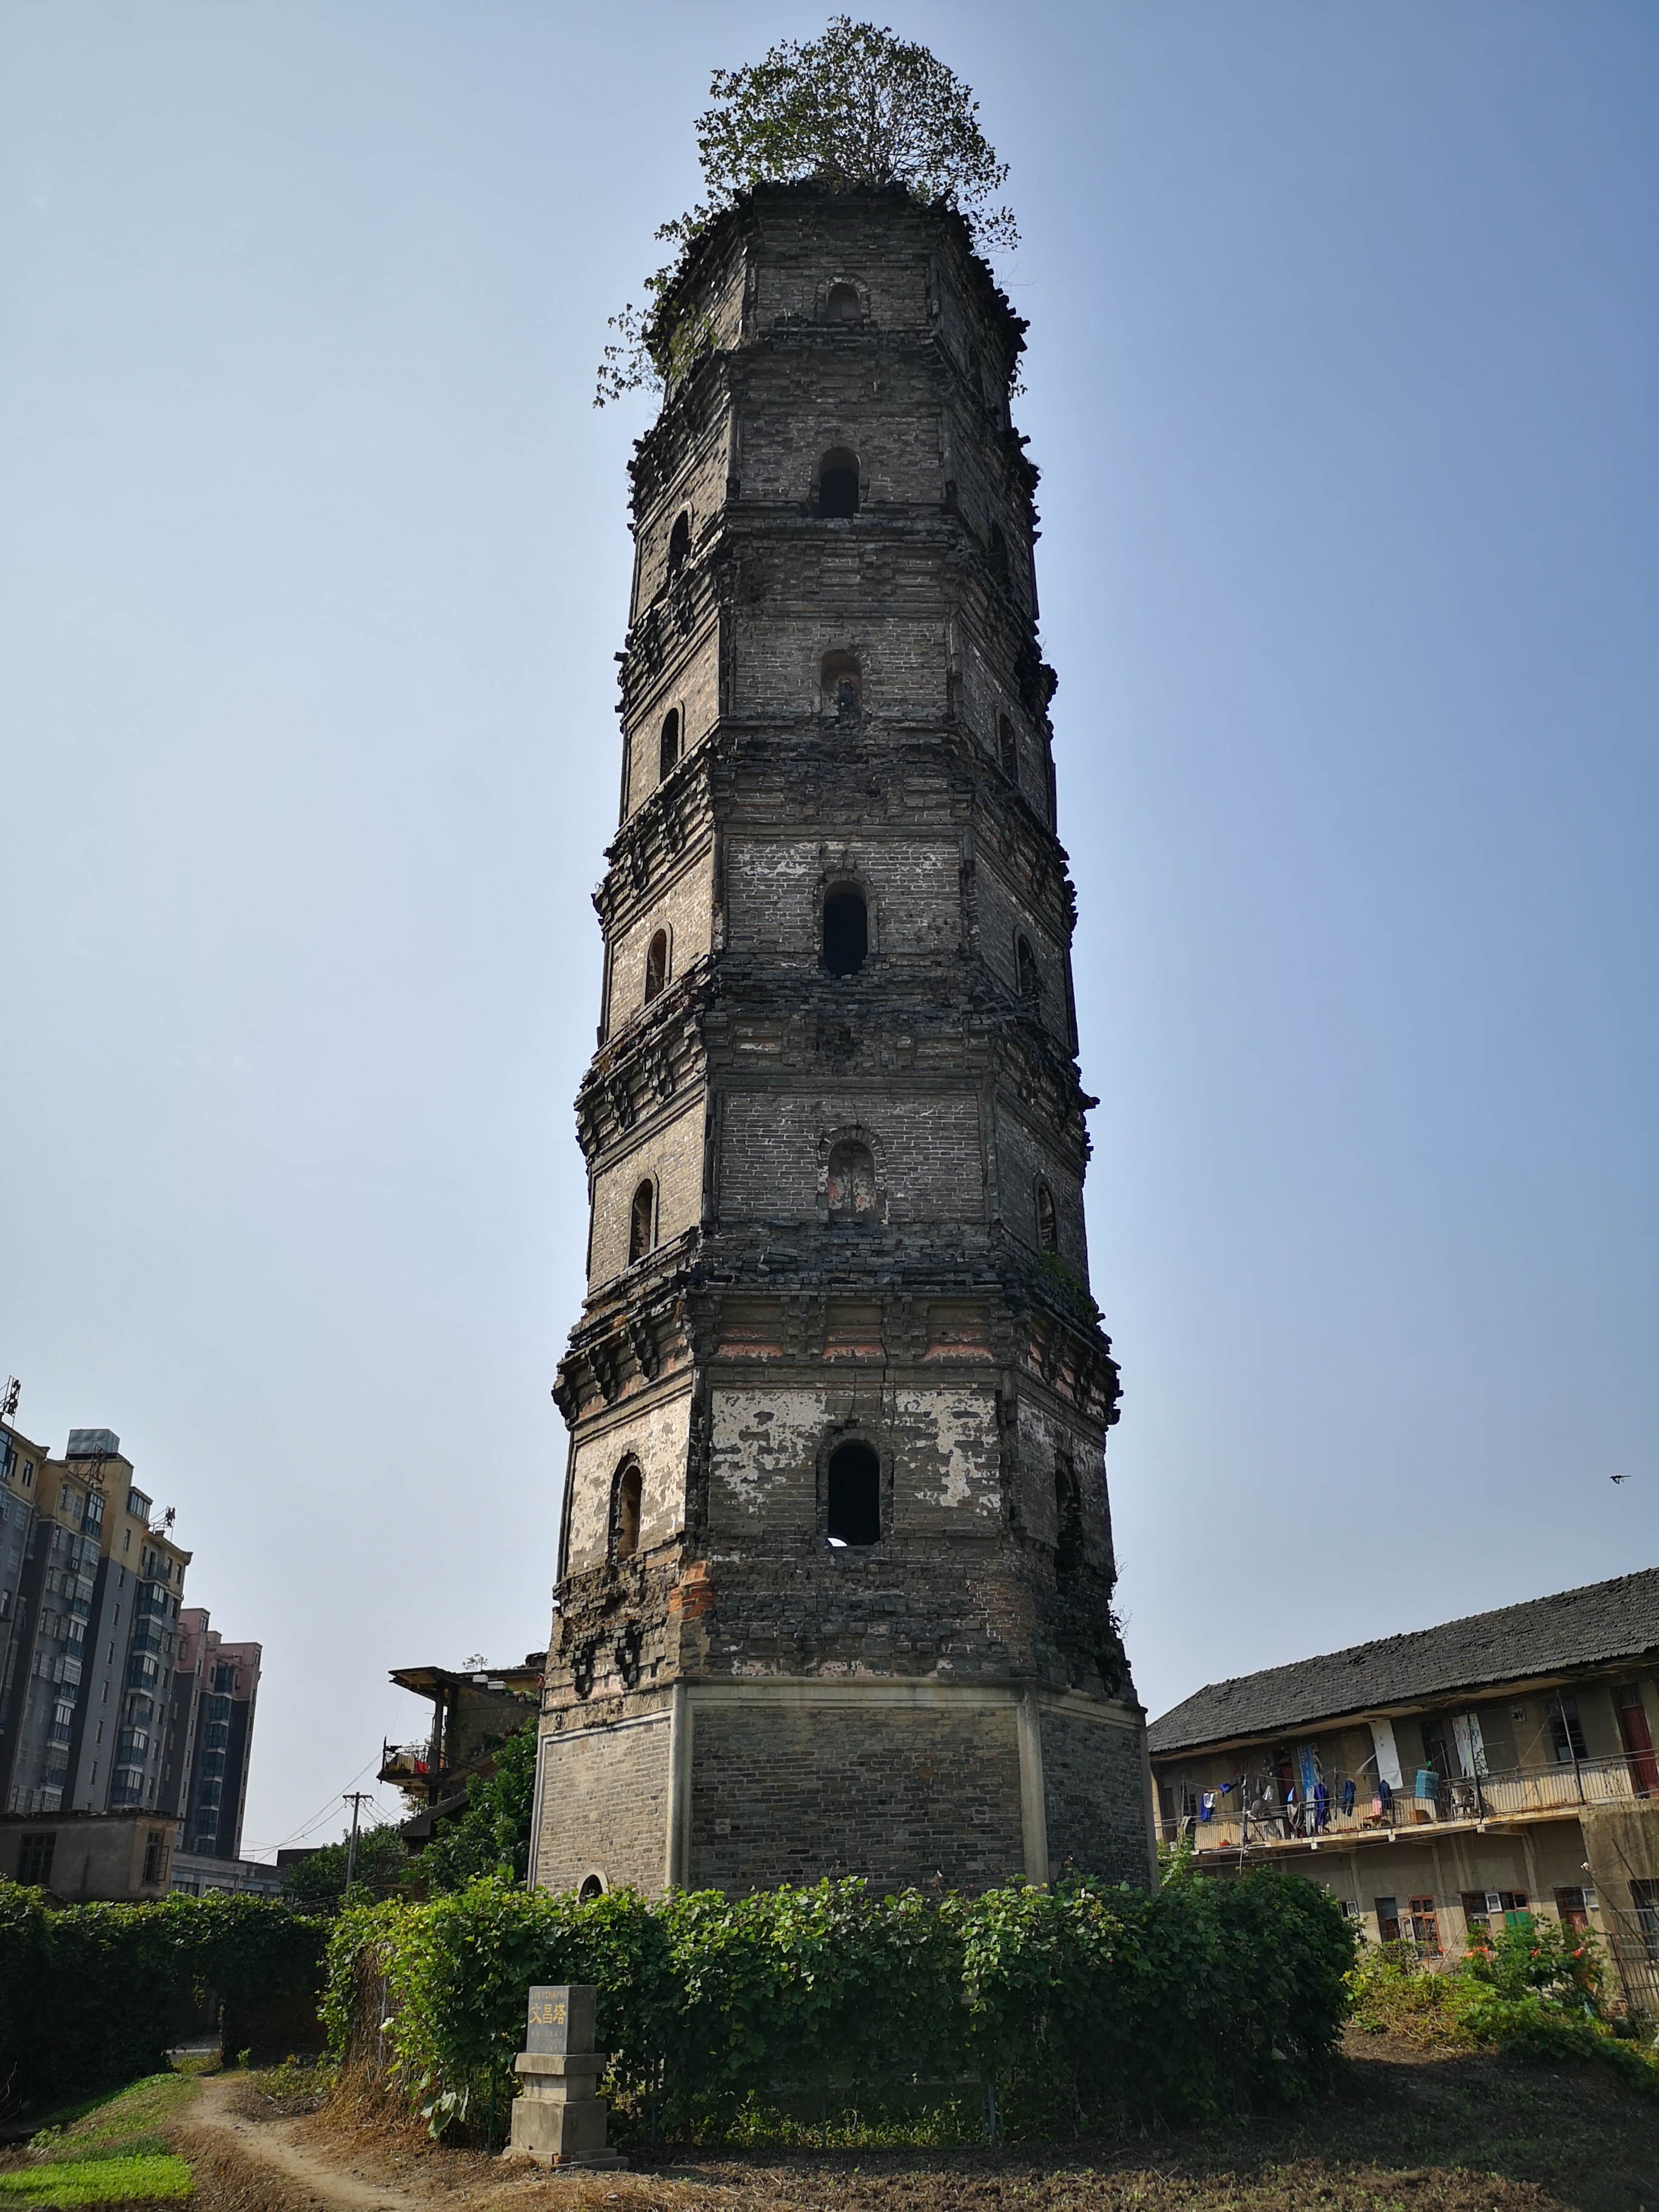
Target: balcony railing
1514, 1794
407, 1762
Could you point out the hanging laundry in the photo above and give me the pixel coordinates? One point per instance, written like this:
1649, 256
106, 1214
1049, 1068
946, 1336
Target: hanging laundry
1207, 1806
1347, 1797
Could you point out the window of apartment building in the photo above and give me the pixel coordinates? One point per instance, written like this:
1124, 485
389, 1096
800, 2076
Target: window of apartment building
1571, 1908
1567, 1735
155, 1854
1424, 1927
34, 1860
1644, 1904
1482, 1906
1387, 1919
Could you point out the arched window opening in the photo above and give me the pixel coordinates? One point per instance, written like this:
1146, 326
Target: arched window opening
1068, 1516
843, 304
642, 1221
855, 1495
679, 545
668, 751
630, 1484
656, 965
846, 931
840, 684
999, 554
850, 1187
1007, 748
593, 1887
838, 485
1047, 1234
1031, 982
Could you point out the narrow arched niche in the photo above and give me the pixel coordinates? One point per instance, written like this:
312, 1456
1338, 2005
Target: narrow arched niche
668, 744
837, 499
846, 930
1047, 1229
843, 304
853, 1496
841, 689
1007, 748
642, 1221
630, 1485
850, 1182
1030, 977
656, 965
679, 545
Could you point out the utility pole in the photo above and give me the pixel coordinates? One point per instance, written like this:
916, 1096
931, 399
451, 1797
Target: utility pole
356, 1799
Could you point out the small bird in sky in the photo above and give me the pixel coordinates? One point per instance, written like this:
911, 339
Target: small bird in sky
1619, 1478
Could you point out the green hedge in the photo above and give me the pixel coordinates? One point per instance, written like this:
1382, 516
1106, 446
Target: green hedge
1077, 2009
93, 1994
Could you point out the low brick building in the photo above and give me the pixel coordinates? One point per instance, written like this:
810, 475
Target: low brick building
83, 1857
1495, 1765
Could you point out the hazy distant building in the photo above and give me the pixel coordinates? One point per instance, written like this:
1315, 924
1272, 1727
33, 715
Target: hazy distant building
210, 1736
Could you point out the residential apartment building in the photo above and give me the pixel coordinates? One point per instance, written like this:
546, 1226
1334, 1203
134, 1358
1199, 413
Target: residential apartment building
20, 1462
1495, 1765
215, 1686
93, 1614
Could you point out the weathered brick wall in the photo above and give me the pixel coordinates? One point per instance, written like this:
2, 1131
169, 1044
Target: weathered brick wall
926, 1146
1024, 1155
1095, 1795
1003, 917
768, 1444
670, 1152
657, 1435
689, 682
807, 1790
682, 905
911, 879
604, 1806
777, 666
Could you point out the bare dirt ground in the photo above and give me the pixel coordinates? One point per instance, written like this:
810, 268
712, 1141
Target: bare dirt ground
1408, 2132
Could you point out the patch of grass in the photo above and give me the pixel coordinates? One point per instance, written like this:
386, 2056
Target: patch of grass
108, 2153
152, 2178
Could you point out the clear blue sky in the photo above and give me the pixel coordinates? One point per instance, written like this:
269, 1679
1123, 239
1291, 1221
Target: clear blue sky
1344, 381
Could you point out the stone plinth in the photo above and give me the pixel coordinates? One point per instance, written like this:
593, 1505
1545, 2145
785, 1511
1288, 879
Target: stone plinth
557, 2119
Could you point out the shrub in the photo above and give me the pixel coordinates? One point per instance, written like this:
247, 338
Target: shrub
95, 1994
1083, 2006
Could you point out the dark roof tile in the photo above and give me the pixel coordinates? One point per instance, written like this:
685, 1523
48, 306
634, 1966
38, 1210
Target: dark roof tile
1616, 1620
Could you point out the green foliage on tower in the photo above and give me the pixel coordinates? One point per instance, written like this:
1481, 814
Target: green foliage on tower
855, 109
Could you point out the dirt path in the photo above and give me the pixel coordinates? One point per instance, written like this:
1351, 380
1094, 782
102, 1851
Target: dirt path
308, 2178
